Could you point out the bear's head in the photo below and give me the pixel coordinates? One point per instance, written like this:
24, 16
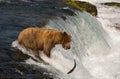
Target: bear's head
66, 40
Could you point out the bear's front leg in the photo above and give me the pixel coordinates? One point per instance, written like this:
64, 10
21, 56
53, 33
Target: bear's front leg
47, 49
36, 53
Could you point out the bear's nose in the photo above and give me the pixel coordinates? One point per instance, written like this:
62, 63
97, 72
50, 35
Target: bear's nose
69, 47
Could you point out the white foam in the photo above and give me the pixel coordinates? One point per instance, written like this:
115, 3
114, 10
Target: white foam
57, 60
99, 1
16, 45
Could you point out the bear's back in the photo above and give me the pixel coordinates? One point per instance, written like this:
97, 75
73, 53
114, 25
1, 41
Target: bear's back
33, 33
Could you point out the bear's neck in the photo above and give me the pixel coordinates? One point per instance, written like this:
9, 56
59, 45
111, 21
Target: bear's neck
58, 39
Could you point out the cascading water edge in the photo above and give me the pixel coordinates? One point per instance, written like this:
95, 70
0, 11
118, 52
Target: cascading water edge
88, 42
85, 29
91, 46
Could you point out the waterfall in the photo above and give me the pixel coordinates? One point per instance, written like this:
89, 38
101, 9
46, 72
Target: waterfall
88, 35
89, 42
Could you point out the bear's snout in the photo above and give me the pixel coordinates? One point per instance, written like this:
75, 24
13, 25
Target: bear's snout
66, 46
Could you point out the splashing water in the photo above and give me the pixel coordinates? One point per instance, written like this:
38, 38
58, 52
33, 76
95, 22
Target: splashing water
89, 47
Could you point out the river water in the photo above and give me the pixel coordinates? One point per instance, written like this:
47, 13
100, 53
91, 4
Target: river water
90, 45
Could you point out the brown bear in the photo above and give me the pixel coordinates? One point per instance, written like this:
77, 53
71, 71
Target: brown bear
36, 39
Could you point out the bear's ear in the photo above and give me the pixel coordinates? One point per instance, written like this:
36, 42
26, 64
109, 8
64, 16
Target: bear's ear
64, 33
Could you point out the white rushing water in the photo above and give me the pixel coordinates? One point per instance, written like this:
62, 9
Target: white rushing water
95, 51
109, 17
89, 48
99, 1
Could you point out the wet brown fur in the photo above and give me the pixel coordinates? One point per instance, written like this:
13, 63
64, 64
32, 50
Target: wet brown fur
36, 39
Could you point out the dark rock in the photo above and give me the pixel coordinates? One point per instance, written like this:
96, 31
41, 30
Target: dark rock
84, 6
14, 70
19, 56
112, 4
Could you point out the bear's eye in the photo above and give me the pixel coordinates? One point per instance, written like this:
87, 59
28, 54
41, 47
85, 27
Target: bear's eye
68, 40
